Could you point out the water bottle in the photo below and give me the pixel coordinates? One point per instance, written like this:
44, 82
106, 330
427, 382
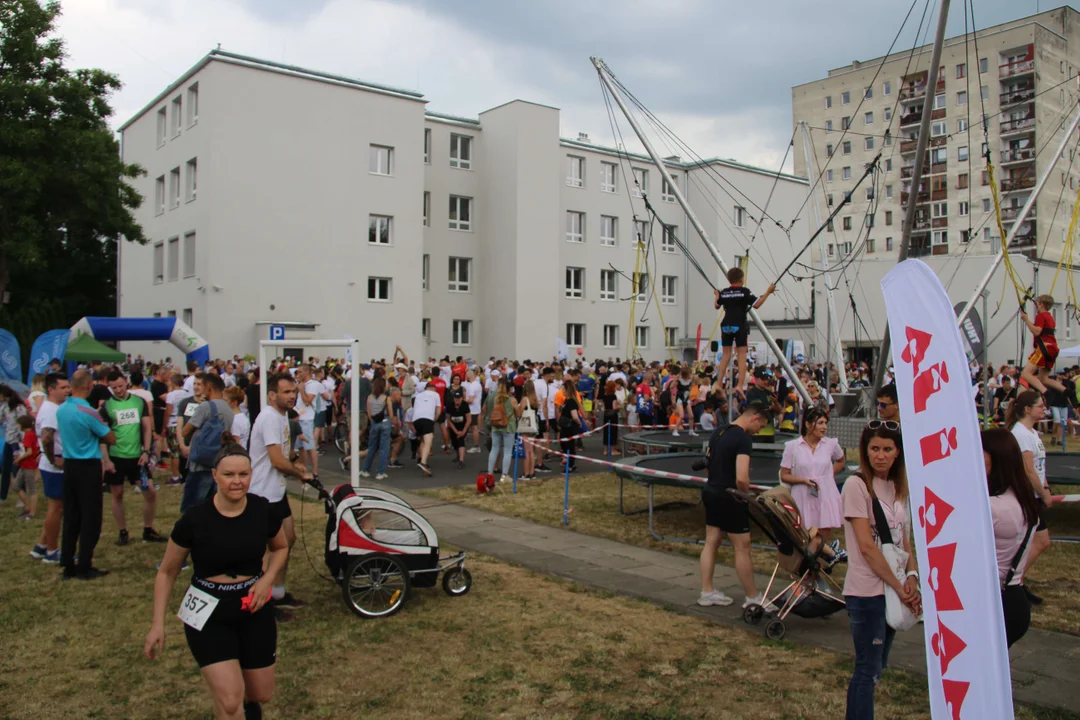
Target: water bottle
144, 478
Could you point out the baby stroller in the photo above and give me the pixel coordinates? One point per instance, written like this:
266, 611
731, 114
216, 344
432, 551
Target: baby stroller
378, 548
812, 593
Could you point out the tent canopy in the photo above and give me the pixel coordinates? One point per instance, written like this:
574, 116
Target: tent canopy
1070, 352
85, 348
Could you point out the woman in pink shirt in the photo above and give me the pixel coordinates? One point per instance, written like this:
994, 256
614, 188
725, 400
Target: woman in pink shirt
809, 465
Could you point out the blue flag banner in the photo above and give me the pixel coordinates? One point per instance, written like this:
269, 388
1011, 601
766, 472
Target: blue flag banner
10, 357
49, 346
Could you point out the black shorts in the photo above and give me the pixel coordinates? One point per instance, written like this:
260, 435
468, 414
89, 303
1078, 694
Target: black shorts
1042, 515
231, 633
126, 469
457, 442
282, 507
441, 419
735, 339
725, 512
423, 427
541, 427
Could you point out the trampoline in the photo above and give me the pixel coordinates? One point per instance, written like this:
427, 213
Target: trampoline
663, 441
1063, 468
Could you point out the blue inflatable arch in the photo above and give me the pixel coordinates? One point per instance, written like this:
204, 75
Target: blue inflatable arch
164, 328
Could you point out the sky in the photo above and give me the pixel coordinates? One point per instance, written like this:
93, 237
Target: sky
717, 72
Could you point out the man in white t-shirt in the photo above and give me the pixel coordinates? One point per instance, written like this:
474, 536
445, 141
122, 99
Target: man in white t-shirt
189, 381
427, 405
308, 391
173, 398
474, 392
51, 467
269, 466
1030, 408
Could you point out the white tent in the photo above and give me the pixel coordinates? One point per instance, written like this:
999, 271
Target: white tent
1070, 352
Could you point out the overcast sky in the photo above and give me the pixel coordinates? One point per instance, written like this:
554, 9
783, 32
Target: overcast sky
718, 72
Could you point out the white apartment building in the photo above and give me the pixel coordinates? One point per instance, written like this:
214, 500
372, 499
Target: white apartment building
276, 195
1023, 78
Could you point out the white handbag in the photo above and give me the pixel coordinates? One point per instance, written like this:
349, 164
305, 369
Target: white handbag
527, 423
898, 616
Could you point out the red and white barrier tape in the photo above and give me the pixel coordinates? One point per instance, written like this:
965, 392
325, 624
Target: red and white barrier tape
573, 437
1066, 498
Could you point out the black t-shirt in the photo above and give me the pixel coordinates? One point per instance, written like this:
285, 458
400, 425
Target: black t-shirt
568, 406
222, 545
724, 447
457, 414
1055, 398
254, 400
159, 389
1004, 398
735, 301
98, 394
609, 406
758, 395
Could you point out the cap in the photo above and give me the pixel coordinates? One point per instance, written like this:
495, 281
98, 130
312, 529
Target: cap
459, 393
495, 373
401, 366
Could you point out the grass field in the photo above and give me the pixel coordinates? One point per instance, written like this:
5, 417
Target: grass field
594, 499
520, 645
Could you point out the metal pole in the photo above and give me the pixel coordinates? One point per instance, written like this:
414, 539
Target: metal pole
603, 71
1006, 242
831, 309
916, 176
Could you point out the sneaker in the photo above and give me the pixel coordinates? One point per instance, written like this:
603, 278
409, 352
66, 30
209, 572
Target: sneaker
424, 469
674, 433
473, 450
395, 465
281, 616
51, 558
123, 539
38, 552
365, 474
150, 535
504, 478
759, 600
381, 476
460, 465
92, 574
714, 598
289, 602
543, 468
320, 451
692, 434
175, 481
344, 463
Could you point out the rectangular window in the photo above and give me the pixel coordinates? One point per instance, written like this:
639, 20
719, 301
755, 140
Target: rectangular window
939, 210
378, 289
609, 226
939, 155
174, 188
887, 89
940, 102
575, 334
379, 227
961, 71
189, 254
961, 125
668, 290
427, 146
462, 334
888, 244
159, 263
162, 126
984, 65
460, 151
846, 223
828, 175
608, 288
985, 92
460, 274
641, 182
961, 181
940, 237
888, 114
425, 328
868, 93
869, 142
828, 101
171, 313
575, 283
427, 209
611, 336
641, 230
870, 220
845, 122
985, 178
159, 194
177, 116
869, 245
641, 336
888, 191
888, 218
962, 153
961, 97
888, 164
575, 171
641, 280
965, 209
847, 173
667, 241
869, 193
173, 263
460, 213
965, 236
829, 200
671, 338
868, 118
193, 104
380, 160
829, 150
846, 147
845, 98
739, 216
575, 226
831, 250
938, 129
607, 178
828, 126
425, 271
192, 179
667, 192
986, 204
188, 317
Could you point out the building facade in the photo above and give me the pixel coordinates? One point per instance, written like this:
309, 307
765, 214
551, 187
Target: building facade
276, 195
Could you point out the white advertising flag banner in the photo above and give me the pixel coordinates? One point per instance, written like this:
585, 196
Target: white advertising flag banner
966, 656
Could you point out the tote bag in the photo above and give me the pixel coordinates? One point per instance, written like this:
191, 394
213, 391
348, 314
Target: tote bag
898, 616
527, 423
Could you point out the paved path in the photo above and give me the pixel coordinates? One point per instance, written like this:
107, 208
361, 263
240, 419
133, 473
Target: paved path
1044, 664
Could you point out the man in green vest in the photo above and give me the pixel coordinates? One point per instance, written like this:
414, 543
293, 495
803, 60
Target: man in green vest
130, 420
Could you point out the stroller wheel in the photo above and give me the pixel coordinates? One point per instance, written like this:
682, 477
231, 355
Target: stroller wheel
775, 630
375, 585
456, 582
752, 614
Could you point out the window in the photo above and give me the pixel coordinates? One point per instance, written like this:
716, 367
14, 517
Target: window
642, 283
828, 150
460, 153
379, 229
869, 142
939, 210
829, 200
740, 216
575, 334
575, 283
845, 98
888, 191
460, 274
940, 237
887, 89
162, 126
427, 209
667, 240
425, 271
961, 125
962, 153
986, 92
869, 245
869, 193
888, 139
173, 263
174, 188
868, 93
641, 336
193, 104
847, 173
939, 155
888, 217
965, 209
425, 328
986, 233
984, 65
188, 317
189, 254
961, 97
607, 178
986, 204
828, 126
611, 336
171, 313
668, 284
575, 226
961, 71
380, 160
177, 116
828, 175
888, 244
640, 231
460, 213
888, 164
159, 194
846, 147
985, 178
888, 114
939, 102
938, 129
607, 284
846, 224
192, 179
159, 263
868, 118
609, 226
641, 182
667, 191
427, 146
961, 181
671, 337
828, 101
829, 225
378, 289
845, 248
845, 122
462, 334
965, 236
831, 250
575, 173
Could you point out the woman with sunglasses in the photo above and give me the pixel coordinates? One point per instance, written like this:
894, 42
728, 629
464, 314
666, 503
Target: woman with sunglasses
1023, 415
809, 465
230, 629
882, 480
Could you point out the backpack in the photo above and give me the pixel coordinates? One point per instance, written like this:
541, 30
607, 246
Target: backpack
499, 418
206, 442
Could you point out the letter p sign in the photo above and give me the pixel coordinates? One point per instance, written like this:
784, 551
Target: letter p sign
277, 332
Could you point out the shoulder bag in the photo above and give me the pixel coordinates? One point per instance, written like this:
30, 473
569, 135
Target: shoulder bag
898, 616
527, 423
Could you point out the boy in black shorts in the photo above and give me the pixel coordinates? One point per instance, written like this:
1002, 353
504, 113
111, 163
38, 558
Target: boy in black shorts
458, 422
735, 330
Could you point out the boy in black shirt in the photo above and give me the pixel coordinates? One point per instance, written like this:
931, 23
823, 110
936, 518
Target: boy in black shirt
736, 301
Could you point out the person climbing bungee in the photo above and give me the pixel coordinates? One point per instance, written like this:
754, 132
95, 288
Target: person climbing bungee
736, 300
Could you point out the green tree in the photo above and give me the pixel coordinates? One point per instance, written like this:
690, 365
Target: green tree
65, 202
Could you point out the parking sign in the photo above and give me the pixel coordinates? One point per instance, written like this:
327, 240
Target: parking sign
277, 332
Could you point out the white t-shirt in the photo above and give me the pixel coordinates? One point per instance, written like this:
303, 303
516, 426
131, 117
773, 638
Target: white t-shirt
46, 418
330, 384
616, 375
189, 384
241, 428
271, 428
541, 388
473, 392
144, 394
445, 372
1030, 441
425, 405
303, 410
172, 399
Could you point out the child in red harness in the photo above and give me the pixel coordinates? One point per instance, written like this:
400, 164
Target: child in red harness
1041, 362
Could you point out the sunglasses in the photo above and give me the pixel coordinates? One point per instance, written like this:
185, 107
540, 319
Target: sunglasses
885, 404
887, 424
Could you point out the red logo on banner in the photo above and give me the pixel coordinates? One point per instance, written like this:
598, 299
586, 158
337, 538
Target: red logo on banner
927, 383
941, 566
947, 645
933, 514
915, 349
955, 692
938, 446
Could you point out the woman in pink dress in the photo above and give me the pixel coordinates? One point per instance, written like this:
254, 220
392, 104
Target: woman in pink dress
809, 466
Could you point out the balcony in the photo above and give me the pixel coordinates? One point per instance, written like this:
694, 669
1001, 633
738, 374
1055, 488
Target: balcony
1018, 155
940, 194
912, 91
1016, 69
906, 172
1016, 184
1020, 125
1026, 240
1010, 214
912, 118
941, 223
938, 169
922, 197
1017, 96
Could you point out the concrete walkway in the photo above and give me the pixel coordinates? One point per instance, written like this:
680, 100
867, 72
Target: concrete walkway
1044, 664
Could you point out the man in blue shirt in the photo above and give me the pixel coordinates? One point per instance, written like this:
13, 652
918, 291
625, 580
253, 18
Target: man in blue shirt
81, 434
